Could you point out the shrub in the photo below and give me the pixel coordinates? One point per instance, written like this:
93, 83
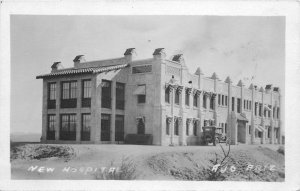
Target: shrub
280, 150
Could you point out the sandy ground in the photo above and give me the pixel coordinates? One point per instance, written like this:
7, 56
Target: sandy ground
152, 162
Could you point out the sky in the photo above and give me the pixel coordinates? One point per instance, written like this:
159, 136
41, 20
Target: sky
236, 46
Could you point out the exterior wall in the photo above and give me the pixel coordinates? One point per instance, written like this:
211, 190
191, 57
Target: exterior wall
156, 110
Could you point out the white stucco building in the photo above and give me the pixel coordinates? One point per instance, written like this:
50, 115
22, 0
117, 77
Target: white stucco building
106, 100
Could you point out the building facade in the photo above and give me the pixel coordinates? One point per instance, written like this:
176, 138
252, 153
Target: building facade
103, 101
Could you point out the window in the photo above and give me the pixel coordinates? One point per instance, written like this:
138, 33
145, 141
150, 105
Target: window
204, 101
212, 102
273, 112
68, 127
265, 112
187, 130
195, 100
187, 98
249, 129
167, 95
120, 96
226, 100
177, 97
105, 127
223, 100
269, 111
69, 93
141, 93
269, 131
232, 104
255, 110
244, 104
141, 126
51, 95
51, 127
176, 127
167, 127
225, 127
277, 113
141, 69
119, 135
86, 127
106, 94
86, 93
260, 110
219, 99
195, 128
238, 105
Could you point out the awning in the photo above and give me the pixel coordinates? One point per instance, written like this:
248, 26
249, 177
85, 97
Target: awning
242, 117
259, 128
140, 90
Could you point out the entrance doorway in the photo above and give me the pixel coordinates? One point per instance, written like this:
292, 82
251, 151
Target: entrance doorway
105, 127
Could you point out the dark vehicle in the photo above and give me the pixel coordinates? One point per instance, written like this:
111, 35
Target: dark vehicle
209, 135
220, 136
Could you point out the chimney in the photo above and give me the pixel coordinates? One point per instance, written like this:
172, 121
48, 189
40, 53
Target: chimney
268, 88
78, 60
56, 66
130, 54
159, 53
178, 58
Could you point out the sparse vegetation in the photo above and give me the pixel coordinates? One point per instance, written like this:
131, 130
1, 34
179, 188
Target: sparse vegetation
126, 171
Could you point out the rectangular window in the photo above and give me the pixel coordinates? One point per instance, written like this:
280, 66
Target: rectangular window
167, 127
141, 69
120, 96
204, 101
238, 105
187, 130
86, 93
269, 111
195, 128
167, 95
51, 95
119, 135
260, 110
226, 100
105, 127
187, 98
51, 127
244, 104
225, 127
86, 127
212, 103
177, 97
68, 127
106, 94
223, 100
255, 108
277, 113
195, 100
232, 107
141, 98
249, 129
219, 99
69, 93
176, 127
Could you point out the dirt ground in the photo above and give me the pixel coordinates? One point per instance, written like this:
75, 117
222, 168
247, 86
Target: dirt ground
57, 161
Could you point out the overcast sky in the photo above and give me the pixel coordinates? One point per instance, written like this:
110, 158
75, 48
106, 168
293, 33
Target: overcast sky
239, 47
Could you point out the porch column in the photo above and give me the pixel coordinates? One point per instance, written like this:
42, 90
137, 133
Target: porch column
113, 112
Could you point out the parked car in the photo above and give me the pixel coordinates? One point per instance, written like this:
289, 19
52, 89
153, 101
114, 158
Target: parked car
220, 136
209, 135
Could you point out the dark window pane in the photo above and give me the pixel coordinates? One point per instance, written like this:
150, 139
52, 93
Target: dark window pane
68, 127
86, 86
86, 127
177, 97
120, 96
119, 135
106, 94
105, 127
195, 100
141, 126
141, 98
167, 95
